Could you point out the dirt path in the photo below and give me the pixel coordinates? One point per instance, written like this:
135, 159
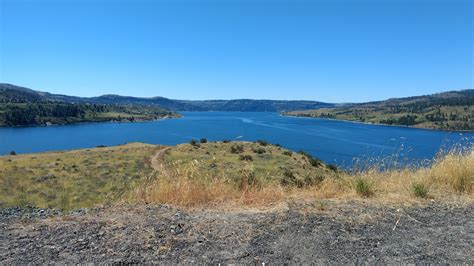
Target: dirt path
157, 160
349, 232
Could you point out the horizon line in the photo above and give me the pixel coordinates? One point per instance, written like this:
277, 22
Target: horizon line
236, 99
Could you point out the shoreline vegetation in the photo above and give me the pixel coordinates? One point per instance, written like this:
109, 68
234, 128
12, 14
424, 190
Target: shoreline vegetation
25, 107
216, 174
52, 113
444, 111
114, 113
375, 124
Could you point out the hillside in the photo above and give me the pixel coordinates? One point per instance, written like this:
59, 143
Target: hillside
452, 110
229, 202
24, 107
207, 173
84, 178
14, 93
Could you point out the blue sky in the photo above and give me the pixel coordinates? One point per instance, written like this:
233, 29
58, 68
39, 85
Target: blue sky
334, 51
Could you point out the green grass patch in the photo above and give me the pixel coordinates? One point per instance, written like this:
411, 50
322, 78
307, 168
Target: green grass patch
226, 161
364, 187
73, 179
420, 190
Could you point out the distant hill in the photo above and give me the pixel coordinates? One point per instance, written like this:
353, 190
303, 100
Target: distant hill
452, 110
14, 93
25, 107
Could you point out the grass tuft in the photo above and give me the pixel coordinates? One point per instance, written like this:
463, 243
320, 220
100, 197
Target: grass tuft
364, 187
420, 190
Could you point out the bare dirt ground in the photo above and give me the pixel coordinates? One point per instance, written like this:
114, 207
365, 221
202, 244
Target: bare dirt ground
344, 232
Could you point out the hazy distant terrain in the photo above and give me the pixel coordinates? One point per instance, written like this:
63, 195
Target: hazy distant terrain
452, 110
243, 105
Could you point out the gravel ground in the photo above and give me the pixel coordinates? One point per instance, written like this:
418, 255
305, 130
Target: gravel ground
345, 232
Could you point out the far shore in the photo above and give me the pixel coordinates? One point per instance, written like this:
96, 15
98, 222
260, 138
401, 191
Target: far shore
377, 124
48, 124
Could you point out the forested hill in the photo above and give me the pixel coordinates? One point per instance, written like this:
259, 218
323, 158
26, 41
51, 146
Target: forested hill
243, 105
24, 107
450, 98
453, 110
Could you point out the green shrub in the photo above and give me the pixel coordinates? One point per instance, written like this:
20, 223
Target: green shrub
226, 141
237, 148
194, 143
314, 161
203, 140
332, 167
259, 150
420, 190
262, 142
246, 157
248, 179
289, 178
288, 153
12, 153
364, 187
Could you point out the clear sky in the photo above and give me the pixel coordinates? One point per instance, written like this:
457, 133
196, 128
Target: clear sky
334, 51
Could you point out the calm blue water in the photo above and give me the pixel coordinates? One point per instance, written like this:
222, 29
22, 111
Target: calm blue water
333, 141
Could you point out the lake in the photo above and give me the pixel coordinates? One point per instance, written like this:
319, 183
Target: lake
333, 141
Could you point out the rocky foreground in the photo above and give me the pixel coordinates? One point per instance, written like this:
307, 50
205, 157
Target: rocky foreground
332, 232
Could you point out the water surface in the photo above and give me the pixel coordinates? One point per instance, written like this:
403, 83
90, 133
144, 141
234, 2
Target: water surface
333, 141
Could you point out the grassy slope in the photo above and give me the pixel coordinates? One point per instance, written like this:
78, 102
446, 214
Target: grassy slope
268, 164
210, 174
73, 179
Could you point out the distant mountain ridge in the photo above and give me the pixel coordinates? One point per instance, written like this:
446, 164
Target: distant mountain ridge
12, 93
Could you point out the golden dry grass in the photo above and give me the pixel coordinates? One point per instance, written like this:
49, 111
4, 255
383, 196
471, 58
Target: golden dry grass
190, 193
449, 177
212, 176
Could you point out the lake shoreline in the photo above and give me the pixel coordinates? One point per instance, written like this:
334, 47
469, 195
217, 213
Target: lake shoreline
378, 124
125, 121
336, 142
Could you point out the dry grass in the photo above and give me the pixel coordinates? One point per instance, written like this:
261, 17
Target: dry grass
450, 176
188, 184
186, 192
211, 175
214, 173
